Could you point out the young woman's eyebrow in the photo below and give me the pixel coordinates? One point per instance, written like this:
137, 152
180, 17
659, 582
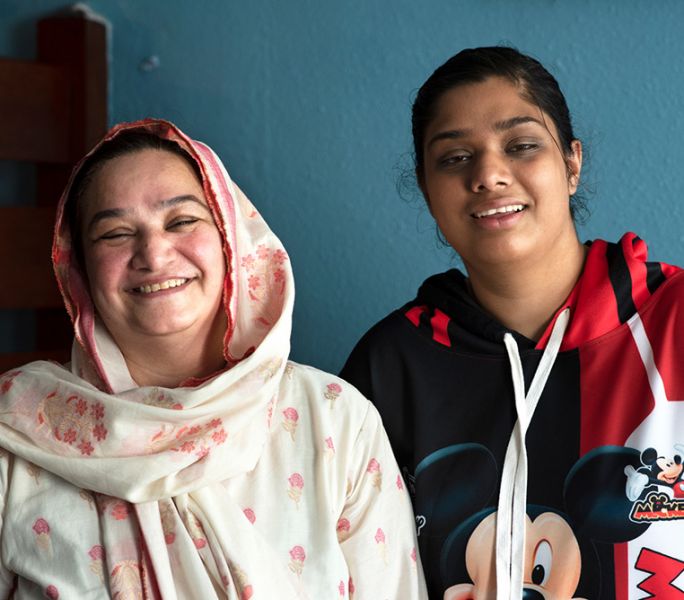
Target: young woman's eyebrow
454, 134
515, 121
112, 213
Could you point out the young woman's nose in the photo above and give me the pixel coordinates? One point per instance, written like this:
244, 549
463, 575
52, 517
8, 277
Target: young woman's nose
153, 250
489, 172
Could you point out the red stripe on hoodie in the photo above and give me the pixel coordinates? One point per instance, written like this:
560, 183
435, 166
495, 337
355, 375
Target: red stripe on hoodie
440, 322
592, 299
621, 574
632, 245
413, 314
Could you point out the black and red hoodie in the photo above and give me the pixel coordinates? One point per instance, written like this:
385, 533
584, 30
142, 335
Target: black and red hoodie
603, 455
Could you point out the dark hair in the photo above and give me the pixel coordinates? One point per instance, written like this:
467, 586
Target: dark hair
126, 142
475, 65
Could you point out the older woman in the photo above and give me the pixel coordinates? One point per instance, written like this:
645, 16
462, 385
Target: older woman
179, 454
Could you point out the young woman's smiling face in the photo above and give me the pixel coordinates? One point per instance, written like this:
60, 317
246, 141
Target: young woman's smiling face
495, 178
153, 253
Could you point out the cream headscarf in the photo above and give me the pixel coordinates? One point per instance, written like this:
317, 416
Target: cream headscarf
167, 450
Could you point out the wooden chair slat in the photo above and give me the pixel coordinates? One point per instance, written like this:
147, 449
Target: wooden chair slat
25, 265
35, 107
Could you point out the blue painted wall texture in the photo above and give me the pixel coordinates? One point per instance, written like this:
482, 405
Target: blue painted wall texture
308, 103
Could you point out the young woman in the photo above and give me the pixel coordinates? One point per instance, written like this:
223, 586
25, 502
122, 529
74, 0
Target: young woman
533, 403
180, 455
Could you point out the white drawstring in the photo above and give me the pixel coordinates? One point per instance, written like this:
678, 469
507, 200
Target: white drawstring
512, 511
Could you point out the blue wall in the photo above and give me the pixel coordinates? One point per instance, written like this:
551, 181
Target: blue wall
308, 104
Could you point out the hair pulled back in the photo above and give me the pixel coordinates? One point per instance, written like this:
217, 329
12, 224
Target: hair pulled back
475, 65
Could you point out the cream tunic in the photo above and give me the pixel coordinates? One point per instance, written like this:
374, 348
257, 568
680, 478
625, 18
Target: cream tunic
326, 494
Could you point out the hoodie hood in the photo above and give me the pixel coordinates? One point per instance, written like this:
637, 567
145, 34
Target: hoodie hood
616, 282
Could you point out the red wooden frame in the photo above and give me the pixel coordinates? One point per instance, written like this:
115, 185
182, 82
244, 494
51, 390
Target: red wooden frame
53, 110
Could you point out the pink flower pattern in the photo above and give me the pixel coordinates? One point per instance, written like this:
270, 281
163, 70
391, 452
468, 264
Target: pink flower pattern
400, 483
343, 527
97, 554
341, 588
52, 592
249, 513
329, 448
120, 511
42, 531
279, 256
332, 392
167, 513
290, 418
73, 421
196, 531
375, 471
265, 273
262, 252
219, 436
248, 262
254, 282
297, 556
296, 482
195, 439
41, 526
7, 381
380, 541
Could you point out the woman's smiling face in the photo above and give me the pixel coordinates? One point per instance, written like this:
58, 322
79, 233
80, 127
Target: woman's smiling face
153, 253
494, 176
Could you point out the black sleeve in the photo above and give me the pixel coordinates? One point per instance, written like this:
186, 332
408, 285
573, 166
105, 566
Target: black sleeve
376, 368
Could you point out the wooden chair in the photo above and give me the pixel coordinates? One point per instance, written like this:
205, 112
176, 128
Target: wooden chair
52, 111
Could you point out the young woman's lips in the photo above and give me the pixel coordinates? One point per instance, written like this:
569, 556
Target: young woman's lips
159, 287
499, 216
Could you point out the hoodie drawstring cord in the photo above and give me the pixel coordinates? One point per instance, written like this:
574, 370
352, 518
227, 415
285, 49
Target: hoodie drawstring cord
511, 515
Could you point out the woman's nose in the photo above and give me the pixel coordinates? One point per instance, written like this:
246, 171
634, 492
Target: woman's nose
489, 171
153, 250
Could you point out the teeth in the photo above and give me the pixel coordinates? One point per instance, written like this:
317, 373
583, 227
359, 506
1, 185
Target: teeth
499, 211
165, 285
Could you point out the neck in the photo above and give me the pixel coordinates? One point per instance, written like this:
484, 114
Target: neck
525, 297
167, 361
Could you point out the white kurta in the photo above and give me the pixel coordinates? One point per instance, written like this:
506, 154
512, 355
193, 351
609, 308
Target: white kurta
326, 497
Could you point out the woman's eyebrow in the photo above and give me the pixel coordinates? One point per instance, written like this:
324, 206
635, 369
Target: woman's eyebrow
179, 200
454, 134
112, 213
515, 121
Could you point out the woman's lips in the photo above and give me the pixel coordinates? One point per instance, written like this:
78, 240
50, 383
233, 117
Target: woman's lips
501, 210
167, 284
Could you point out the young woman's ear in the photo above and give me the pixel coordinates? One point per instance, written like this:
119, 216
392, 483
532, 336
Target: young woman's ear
574, 164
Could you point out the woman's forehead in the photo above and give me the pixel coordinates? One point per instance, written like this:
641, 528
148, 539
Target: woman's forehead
140, 175
494, 105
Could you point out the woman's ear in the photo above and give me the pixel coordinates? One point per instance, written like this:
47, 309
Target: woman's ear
574, 164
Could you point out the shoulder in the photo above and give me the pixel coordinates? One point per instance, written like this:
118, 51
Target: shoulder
325, 397
439, 299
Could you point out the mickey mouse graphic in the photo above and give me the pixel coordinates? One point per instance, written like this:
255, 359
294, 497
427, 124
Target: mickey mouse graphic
657, 471
562, 547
